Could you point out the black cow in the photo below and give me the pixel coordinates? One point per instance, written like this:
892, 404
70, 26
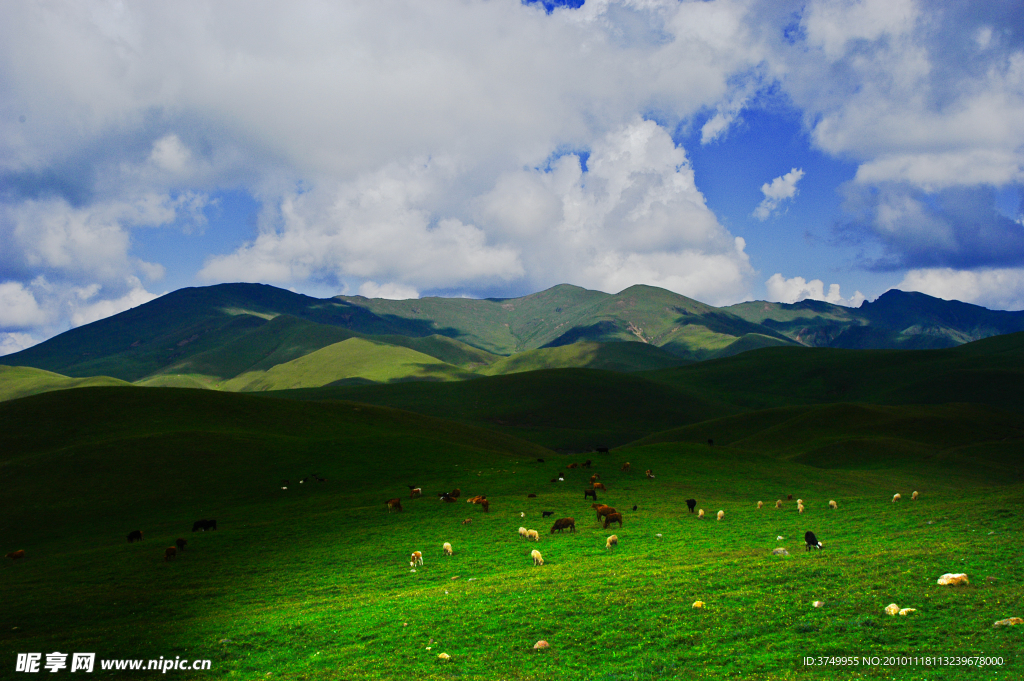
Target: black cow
204, 525
602, 450
545, 514
134, 535
812, 541
586, 464
691, 504
711, 443
180, 543
592, 493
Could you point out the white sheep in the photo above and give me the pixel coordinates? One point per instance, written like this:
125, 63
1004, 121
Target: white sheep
799, 502
532, 534
896, 497
832, 504
778, 504
800, 508
721, 514
612, 541
700, 514
537, 558
522, 533
416, 558
913, 497
447, 549
760, 504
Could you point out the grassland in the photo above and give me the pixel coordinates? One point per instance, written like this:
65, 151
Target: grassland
312, 582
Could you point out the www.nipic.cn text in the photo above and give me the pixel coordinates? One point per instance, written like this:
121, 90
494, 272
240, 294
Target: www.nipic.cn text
86, 662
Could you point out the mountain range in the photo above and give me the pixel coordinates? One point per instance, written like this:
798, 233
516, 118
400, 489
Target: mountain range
255, 337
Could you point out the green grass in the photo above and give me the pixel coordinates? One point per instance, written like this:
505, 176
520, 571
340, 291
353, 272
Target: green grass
18, 382
313, 582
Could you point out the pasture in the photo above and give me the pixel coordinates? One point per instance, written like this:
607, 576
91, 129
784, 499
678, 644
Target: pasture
314, 582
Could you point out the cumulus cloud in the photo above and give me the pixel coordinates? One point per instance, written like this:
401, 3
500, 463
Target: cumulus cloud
11, 342
993, 288
782, 290
780, 189
391, 291
18, 307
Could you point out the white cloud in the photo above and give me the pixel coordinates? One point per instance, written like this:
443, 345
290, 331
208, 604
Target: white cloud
780, 189
18, 307
90, 309
993, 288
15, 342
170, 154
372, 289
782, 290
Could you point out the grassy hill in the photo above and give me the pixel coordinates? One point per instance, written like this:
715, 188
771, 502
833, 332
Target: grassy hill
314, 582
606, 356
352, 359
18, 382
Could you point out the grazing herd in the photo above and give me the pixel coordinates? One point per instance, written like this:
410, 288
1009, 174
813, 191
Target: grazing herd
605, 514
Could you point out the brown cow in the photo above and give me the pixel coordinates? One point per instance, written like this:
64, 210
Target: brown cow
487, 506
415, 492
602, 509
573, 465
170, 552
594, 478
477, 499
625, 467
563, 523
613, 518
16, 555
455, 493
394, 505
599, 485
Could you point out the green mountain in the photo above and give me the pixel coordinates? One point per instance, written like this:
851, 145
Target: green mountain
898, 319
210, 337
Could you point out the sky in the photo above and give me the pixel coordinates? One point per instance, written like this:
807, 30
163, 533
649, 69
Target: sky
728, 150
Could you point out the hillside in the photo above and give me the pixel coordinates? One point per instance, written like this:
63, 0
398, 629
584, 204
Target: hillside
207, 336
18, 382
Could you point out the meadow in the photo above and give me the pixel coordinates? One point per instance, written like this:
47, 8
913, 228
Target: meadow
313, 581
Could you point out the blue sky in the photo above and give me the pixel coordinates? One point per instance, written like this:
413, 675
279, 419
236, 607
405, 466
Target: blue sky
727, 150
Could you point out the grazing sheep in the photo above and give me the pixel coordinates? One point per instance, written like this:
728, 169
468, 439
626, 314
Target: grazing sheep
447, 548
416, 558
649, 474
953, 579
892, 609
700, 514
393, 505
833, 505
625, 467
537, 558
136, 535
467, 521
546, 514
896, 497
759, 505
522, 532
812, 541
778, 504
415, 492
592, 493
800, 508
612, 541
612, 518
170, 552
16, 555
180, 543
563, 523
691, 504
561, 478
799, 502
913, 497
532, 534
600, 485
721, 514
